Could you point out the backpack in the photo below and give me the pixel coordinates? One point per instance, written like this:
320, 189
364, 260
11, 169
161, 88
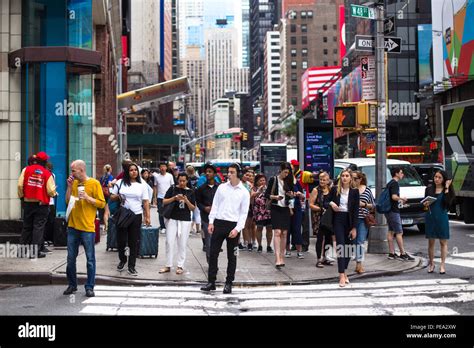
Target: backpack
384, 202
105, 189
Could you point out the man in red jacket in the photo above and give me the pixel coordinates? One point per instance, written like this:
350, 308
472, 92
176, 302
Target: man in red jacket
35, 188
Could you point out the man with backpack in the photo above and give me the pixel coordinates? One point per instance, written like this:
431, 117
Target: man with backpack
394, 220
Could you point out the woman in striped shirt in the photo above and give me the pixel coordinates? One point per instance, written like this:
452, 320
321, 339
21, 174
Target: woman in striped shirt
367, 203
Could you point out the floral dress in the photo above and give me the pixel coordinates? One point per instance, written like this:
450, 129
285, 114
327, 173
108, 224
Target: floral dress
260, 211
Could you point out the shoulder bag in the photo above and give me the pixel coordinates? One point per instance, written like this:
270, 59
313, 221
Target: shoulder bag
167, 209
124, 217
268, 204
326, 219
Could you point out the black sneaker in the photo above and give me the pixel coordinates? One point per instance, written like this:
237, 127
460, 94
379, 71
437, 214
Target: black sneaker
269, 250
259, 250
90, 293
40, 255
249, 247
241, 247
46, 250
406, 257
120, 266
70, 290
132, 271
392, 256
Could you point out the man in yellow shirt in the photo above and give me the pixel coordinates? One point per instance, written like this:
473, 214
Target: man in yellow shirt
81, 225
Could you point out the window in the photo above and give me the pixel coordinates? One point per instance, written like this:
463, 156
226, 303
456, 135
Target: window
293, 40
334, 51
325, 39
293, 53
335, 62
325, 63
275, 50
304, 40
310, 14
275, 100
303, 14
304, 64
293, 28
275, 93
304, 52
294, 77
325, 51
325, 27
275, 79
275, 65
293, 64
275, 86
334, 39
274, 43
334, 26
292, 14
294, 101
294, 89
304, 28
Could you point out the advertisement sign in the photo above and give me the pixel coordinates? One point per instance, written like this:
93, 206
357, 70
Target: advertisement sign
271, 156
425, 49
316, 139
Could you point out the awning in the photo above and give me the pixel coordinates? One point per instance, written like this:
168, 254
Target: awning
160, 93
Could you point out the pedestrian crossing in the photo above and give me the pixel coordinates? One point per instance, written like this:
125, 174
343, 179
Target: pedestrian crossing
401, 297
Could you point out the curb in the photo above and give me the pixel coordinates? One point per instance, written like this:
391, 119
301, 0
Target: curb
49, 278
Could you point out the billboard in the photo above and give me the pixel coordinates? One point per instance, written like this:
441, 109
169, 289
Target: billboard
271, 156
453, 42
425, 51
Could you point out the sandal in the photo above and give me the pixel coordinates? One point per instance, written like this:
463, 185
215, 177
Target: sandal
319, 264
165, 270
179, 270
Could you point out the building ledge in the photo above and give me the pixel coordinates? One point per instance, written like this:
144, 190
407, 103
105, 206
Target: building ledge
80, 60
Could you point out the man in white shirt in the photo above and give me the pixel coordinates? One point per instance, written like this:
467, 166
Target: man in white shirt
163, 181
226, 221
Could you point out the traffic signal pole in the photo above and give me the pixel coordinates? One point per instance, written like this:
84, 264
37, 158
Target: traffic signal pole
378, 233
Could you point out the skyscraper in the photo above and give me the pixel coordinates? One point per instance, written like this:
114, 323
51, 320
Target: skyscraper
272, 85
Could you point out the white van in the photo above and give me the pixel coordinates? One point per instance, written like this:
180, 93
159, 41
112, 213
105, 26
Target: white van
411, 186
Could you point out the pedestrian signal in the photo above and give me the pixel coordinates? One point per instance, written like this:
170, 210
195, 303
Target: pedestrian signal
345, 117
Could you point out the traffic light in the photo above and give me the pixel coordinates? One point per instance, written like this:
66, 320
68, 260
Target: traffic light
244, 136
198, 150
363, 114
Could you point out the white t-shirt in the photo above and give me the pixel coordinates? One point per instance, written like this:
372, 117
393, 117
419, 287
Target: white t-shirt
134, 195
281, 192
149, 189
163, 183
343, 206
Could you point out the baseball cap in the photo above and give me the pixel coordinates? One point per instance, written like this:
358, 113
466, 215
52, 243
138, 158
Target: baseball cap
295, 163
209, 166
42, 156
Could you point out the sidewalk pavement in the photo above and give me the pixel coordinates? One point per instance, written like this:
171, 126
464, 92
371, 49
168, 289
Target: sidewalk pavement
252, 268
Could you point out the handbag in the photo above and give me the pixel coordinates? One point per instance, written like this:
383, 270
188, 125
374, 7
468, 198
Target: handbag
167, 210
370, 220
268, 204
124, 217
326, 219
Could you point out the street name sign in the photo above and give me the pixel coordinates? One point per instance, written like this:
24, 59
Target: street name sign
367, 43
362, 12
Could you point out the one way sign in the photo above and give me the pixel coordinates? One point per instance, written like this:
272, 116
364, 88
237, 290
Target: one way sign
367, 43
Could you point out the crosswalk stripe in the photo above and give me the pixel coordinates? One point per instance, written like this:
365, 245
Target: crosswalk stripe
406, 297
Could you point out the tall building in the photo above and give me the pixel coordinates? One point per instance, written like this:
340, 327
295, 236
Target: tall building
194, 67
264, 15
147, 43
191, 26
309, 37
61, 101
272, 82
222, 64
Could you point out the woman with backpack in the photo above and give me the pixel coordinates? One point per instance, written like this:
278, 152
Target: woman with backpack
366, 205
436, 218
344, 201
319, 203
105, 181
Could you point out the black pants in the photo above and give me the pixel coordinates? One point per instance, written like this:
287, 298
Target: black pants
132, 235
341, 230
324, 235
49, 228
305, 234
221, 232
34, 222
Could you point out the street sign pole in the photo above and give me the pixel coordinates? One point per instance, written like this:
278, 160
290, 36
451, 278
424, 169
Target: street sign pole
378, 233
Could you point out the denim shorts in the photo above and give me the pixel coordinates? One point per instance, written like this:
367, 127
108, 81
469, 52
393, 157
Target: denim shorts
394, 222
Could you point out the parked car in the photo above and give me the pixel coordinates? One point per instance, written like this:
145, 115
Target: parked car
411, 187
427, 170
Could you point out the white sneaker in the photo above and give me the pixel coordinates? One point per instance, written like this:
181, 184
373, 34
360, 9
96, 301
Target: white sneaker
288, 254
163, 231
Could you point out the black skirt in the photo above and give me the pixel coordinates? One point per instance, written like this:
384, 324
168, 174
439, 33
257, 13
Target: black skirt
281, 218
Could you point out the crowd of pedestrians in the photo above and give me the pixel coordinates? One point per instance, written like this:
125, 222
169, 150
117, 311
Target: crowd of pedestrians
237, 209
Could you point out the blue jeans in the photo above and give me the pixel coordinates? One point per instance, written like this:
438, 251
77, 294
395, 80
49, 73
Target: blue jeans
362, 233
74, 239
160, 206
